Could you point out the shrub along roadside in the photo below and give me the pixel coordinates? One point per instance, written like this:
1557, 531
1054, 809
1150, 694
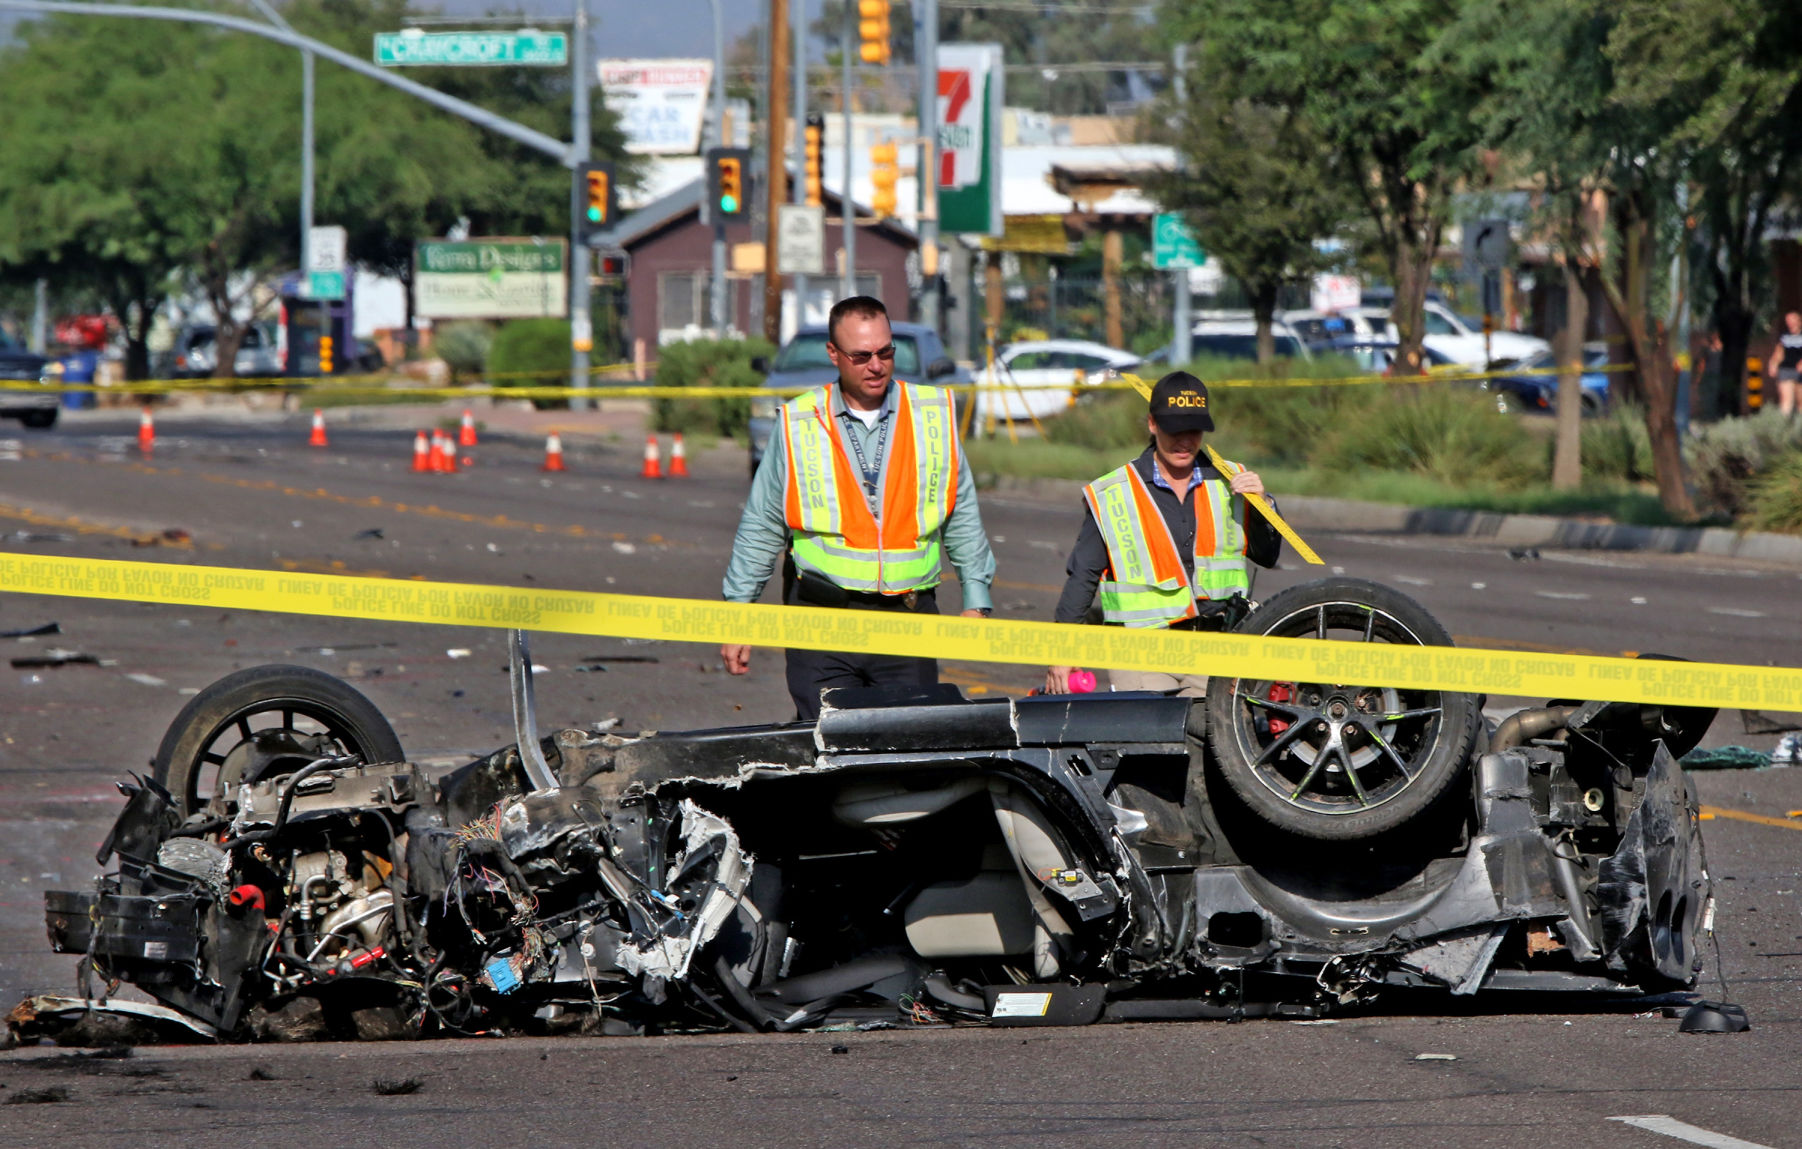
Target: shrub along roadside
708, 363
531, 353
1776, 496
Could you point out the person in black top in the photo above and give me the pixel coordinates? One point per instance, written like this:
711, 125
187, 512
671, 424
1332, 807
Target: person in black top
1785, 363
1175, 472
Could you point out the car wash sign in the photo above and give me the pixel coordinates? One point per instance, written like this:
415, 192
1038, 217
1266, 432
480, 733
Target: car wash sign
489, 279
660, 103
969, 144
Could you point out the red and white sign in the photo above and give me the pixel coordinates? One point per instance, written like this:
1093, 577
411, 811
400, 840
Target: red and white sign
661, 103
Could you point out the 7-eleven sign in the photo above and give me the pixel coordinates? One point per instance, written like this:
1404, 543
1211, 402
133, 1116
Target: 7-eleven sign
969, 145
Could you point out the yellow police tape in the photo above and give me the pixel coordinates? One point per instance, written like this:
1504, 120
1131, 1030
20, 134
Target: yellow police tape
895, 633
373, 385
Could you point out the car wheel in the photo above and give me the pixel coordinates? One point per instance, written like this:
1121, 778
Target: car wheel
1335, 761
39, 420
262, 721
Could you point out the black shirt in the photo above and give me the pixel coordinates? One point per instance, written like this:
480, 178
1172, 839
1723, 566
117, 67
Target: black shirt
1089, 560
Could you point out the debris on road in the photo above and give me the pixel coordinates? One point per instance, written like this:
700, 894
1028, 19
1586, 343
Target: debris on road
56, 656
33, 631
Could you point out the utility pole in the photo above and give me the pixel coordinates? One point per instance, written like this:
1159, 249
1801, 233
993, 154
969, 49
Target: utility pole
775, 137
847, 208
306, 139
926, 47
717, 287
581, 322
1182, 327
798, 190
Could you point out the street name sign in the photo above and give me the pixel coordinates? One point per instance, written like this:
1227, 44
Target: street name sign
1172, 243
490, 279
415, 48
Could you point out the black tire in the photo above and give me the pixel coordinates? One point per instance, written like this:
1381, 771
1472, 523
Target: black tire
39, 420
264, 720
1306, 757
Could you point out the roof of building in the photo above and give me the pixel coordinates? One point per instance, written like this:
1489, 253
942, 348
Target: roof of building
685, 198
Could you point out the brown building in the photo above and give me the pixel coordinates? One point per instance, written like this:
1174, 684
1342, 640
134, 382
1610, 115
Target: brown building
669, 269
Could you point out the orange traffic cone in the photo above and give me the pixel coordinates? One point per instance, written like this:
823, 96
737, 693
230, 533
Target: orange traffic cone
422, 453
448, 454
146, 432
678, 459
653, 463
317, 438
553, 452
466, 437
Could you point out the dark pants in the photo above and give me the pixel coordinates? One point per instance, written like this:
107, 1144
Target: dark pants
811, 671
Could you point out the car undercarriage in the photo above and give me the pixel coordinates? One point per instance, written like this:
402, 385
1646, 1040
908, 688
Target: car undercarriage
913, 858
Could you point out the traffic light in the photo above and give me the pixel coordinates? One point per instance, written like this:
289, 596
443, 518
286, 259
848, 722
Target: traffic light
598, 203
873, 31
815, 134
884, 172
728, 183
325, 355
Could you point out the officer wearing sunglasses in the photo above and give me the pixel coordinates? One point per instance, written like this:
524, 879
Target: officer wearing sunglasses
862, 492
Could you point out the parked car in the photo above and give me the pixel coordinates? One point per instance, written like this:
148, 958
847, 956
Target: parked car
195, 355
1540, 392
919, 358
1230, 337
18, 364
1036, 365
1375, 354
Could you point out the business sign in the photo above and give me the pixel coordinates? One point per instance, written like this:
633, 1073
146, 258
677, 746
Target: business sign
1172, 243
327, 261
416, 48
661, 104
1330, 294
800, 239
969, 143
490, 279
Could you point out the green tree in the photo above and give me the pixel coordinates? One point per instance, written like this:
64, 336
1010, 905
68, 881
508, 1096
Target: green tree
179, 165
1357, 73
1259, 188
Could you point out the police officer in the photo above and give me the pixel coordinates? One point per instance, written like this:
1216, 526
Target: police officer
863, 488
1166, 540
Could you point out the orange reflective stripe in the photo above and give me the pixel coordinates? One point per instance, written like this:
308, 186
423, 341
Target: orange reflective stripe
901, 496
1165, 562
855, 520
1206, 544
792, 494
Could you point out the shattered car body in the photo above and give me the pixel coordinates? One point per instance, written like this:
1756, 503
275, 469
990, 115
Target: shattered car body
911, 858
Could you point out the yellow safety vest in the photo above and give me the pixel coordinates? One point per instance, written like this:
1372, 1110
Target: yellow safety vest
1149, 585
832, 530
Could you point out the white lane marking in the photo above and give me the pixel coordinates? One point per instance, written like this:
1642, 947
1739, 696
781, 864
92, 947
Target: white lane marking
1478, 585
1573, 596
1735, 612
1684, 1131
1041, 544
1638, 600
9, 450
1410, 580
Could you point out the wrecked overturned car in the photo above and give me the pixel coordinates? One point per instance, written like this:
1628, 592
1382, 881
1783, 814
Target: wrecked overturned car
1283, 848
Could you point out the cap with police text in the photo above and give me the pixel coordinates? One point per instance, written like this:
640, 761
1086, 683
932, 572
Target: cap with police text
1179, 403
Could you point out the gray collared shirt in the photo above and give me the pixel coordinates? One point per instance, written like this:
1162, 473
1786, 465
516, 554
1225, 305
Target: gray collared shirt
763, 534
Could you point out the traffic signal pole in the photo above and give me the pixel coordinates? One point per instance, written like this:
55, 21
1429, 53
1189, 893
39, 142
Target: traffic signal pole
581, 323
847, 205
306, 139
775, 137
798, 19
717, 288
926, 49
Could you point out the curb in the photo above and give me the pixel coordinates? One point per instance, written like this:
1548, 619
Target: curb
1307, 512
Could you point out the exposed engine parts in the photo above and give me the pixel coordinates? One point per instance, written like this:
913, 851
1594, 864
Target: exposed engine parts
912, 858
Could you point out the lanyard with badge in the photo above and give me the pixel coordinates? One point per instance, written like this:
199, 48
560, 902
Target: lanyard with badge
871, 475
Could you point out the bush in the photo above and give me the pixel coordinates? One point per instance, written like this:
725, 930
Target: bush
1616, 446
463, 345
1776, 496
1725, 456
708, 363
531, 353
1451, 434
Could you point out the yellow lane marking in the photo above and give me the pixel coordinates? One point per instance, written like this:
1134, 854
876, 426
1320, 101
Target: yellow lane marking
1746, 816
83, 527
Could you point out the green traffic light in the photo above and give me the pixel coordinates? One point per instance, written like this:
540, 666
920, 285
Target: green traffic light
594, 215
728, 204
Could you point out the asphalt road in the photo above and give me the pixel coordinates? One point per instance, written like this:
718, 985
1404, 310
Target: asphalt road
233, 489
